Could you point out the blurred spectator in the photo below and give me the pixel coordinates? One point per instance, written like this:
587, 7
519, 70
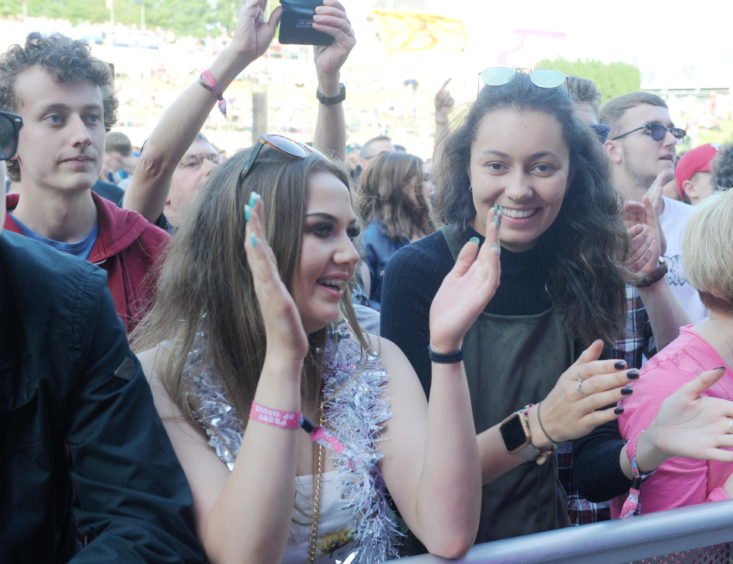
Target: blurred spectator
692, 174
723, 168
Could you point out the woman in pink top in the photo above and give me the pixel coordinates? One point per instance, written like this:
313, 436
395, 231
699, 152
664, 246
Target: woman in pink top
704, 346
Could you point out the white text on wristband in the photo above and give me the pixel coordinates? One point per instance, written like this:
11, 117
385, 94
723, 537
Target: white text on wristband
275, 417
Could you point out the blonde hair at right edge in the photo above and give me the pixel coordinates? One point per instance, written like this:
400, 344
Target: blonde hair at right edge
707, 249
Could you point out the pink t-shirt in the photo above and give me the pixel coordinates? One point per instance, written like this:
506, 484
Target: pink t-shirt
678, 481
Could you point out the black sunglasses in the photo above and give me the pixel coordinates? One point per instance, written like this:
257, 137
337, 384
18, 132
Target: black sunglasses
291, 148
657, 131
10, 125
601, 130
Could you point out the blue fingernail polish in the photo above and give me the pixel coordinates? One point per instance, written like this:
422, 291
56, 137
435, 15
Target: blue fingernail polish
253, 197
253, 240
247, 212
474, 240
496, 248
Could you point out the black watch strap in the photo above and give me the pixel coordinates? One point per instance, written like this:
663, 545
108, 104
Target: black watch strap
332, 100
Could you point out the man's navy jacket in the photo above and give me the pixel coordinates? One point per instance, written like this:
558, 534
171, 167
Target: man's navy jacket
83, 454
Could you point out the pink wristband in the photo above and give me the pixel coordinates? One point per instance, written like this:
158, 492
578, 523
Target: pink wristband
275, 417
208, 81
293, 420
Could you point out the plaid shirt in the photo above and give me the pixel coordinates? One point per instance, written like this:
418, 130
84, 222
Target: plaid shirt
637, 344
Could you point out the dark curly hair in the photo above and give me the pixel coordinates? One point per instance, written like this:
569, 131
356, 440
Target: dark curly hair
66, 60
722, 168
585, 247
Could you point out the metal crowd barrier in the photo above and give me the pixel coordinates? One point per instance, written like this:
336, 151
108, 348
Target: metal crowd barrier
657, 536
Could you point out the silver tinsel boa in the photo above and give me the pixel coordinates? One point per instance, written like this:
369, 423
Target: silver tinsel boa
355, 410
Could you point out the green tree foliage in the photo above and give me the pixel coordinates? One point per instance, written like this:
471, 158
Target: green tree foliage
196, 18
612, 79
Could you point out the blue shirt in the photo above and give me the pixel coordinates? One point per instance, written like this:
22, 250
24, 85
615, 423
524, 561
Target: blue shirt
79, 248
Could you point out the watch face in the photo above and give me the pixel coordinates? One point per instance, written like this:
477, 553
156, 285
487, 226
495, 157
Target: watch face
513, 433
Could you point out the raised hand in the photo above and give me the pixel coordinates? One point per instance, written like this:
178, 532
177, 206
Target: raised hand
331, 18
692, 425
444, 103
570, 410
647, 242
466, 290
253, 34
283, 327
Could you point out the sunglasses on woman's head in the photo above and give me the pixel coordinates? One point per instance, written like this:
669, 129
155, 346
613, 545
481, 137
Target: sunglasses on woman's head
657, 131
544, 78
10, 125
288, 147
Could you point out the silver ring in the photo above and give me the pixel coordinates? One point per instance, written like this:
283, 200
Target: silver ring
579, 387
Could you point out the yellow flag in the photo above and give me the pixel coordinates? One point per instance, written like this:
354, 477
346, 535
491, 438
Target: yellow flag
403, 32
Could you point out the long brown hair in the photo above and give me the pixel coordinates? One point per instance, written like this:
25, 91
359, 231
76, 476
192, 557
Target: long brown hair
205, 284
382, 196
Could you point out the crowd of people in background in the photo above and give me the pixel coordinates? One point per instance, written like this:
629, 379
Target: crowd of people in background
329, 352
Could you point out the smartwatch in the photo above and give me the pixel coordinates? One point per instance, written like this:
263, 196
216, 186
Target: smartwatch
518, 439
515, 433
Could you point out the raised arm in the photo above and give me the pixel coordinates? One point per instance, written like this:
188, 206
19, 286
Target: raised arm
179, 125
665, 313
330, 134
431, 464
244, 515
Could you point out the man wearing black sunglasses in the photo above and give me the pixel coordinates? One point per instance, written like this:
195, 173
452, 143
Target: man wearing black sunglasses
86, 468
641, 149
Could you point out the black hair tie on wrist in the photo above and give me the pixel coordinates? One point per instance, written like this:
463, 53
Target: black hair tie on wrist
449, 358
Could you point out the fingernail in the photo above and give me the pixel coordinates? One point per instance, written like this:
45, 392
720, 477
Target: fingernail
633, 374
497, 216
496, 248
719, 368
627, 391
620, 365
253, 240
474, 240
247, 212
253, 197
618, 410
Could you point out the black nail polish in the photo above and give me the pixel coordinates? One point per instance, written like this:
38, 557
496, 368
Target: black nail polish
627, 391
619, 410
633, 374
620, 365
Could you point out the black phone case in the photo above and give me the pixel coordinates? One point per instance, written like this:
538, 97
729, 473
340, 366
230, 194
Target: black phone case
296, 24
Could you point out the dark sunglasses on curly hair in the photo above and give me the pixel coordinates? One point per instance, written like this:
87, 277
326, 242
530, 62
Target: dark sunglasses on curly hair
282, 144
657, 131
10, 125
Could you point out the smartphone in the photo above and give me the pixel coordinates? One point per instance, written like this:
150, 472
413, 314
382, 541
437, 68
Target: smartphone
296, 23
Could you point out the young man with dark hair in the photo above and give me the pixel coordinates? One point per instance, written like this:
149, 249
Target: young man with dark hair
86, 469
65, 98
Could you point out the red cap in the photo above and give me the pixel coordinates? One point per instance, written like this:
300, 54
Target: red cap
693, 161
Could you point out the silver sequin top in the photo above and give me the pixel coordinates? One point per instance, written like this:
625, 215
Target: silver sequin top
354, 408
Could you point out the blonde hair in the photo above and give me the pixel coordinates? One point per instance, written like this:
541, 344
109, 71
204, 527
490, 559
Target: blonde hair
707, 249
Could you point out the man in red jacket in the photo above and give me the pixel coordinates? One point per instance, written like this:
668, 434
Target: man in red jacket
65, 98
